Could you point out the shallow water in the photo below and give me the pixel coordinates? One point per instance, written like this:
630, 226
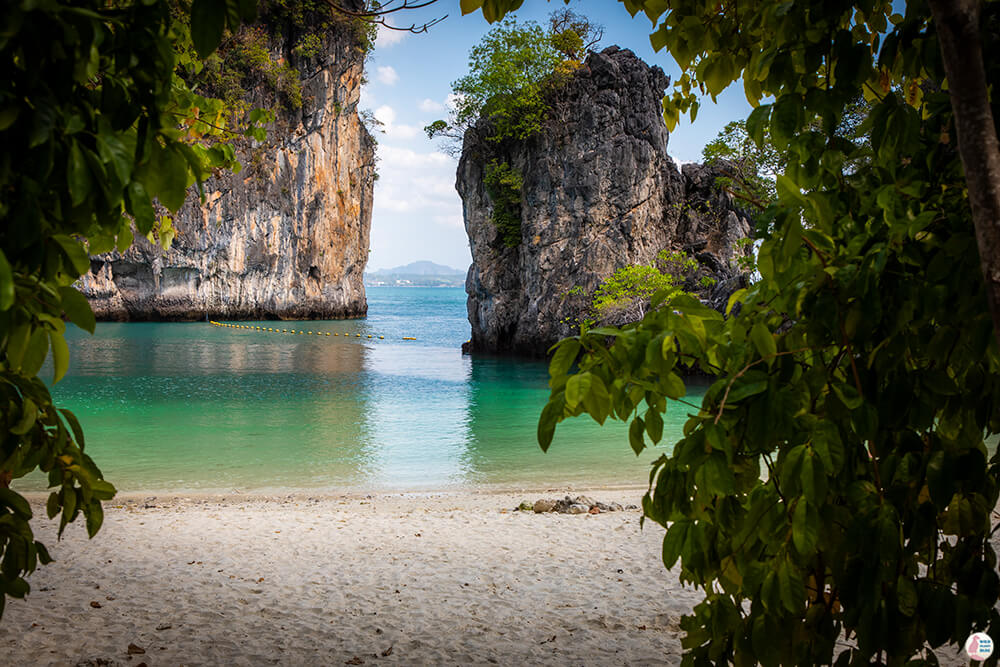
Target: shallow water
195, 407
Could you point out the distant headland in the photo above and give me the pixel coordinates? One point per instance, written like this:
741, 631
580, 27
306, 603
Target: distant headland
417, 274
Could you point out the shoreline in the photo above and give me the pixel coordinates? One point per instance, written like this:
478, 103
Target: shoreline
267, 494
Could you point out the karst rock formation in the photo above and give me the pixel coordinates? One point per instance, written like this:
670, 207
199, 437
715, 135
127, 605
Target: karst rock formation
599, 193
287, 237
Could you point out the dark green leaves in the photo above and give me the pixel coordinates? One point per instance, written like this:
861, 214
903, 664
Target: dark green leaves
95, 116
77, 308
860, 372
6, 283
805, 528
79, 261
77, 174
764, 342
208, 20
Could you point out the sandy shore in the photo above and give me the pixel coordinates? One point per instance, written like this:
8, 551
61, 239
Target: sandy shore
453, 578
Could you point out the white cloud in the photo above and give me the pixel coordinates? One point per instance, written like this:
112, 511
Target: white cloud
387, 75
388, 37
430, 106
385, 114
406, 158
402, 131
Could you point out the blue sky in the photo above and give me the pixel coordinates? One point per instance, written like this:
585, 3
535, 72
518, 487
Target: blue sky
417, 213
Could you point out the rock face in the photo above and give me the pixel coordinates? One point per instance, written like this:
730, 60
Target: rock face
287, 237
599, 193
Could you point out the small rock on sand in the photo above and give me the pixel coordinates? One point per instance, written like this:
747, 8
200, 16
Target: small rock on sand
543, 505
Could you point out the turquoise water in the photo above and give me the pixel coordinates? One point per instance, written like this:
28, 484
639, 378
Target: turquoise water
195, 407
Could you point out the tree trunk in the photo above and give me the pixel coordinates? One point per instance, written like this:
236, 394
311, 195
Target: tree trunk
957, 25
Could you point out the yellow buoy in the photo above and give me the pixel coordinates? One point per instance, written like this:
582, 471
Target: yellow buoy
381, 337
408, 338
358, 335
327, 333
369, 336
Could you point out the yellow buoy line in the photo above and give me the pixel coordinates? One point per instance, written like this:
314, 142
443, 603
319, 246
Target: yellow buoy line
297, 332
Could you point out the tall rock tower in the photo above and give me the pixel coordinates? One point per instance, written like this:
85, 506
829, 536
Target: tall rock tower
598, 193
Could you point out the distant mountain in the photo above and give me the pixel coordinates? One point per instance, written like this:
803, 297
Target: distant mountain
417, 274
421, 268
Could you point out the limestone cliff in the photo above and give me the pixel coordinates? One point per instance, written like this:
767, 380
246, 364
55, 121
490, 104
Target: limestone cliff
287, 237
599, 193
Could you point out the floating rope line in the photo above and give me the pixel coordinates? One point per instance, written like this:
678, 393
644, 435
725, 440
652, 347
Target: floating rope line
227, 325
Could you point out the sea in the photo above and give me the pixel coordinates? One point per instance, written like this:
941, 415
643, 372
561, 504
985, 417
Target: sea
194, 407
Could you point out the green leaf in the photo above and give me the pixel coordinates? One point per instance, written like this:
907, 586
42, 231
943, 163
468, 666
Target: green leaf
577, 388
598, 401
673, 386
29, 414
805, 528
140, 205
60, 356
551, 414
6, 283
565, 355
43, 552
906, 594
95, 517
469, 6
763, 340
52, 506
208, 20
125, 238
757, 123
77, 308
716, 474
102, 490
674, 541
74, 425
77, 174
16, 502
34, 355
635, 438
75, 252
654, 425
791, 586
173, 179
743, 389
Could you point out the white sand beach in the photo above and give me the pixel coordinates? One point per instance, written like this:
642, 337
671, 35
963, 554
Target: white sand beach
447, 578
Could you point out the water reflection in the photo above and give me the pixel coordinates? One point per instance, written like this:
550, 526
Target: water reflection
191, 406
419, 416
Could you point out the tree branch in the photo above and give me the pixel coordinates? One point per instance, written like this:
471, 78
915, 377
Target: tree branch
377, 15
957, 25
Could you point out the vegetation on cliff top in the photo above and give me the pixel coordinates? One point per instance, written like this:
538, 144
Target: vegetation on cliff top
511, 71
861, 372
